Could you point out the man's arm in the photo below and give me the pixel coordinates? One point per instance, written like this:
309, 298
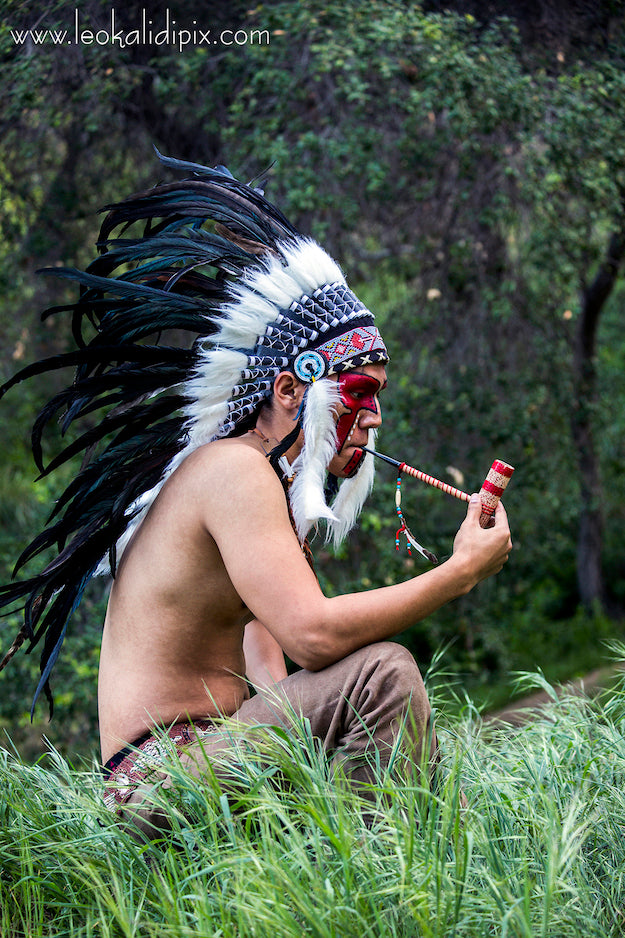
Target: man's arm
244, 509
264, 658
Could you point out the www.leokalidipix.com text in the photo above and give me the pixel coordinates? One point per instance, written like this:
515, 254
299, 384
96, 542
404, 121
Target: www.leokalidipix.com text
147, 32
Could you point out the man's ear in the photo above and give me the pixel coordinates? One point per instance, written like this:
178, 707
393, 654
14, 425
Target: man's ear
288, 391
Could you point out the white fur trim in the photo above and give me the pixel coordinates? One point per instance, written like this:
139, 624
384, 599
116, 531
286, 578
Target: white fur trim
306, 495
351, 497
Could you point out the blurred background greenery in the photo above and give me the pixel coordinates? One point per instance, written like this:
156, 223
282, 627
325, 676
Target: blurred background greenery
466, 163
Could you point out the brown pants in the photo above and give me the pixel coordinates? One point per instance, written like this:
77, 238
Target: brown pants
356, 707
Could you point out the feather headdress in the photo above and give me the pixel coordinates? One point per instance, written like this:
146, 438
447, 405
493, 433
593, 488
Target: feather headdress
215, 260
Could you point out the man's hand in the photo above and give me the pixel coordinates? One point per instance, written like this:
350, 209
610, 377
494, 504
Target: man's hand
483, 550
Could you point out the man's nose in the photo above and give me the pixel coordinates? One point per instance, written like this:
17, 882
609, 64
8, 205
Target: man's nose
369, 419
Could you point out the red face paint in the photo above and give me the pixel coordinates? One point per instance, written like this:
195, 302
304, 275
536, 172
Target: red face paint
357, 392
354, 463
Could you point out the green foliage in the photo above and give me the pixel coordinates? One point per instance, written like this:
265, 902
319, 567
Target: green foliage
73, 729
537, 851
469, 183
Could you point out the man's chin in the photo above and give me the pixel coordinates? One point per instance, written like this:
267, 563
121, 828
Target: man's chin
347, 464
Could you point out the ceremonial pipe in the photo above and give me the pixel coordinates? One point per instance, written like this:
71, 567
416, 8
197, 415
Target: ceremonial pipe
492, 489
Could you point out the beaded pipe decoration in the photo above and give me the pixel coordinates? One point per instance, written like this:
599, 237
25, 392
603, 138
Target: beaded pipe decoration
491, 491
403, 528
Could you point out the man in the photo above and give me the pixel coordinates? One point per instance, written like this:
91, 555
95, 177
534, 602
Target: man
206, 516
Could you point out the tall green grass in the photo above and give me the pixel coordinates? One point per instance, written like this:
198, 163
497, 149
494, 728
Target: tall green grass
539, 850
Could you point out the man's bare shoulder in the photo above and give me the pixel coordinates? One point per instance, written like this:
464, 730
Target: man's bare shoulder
228, 473
231, 458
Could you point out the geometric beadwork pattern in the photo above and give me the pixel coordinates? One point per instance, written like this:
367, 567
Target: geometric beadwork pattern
362, 345
307, 320
328, 306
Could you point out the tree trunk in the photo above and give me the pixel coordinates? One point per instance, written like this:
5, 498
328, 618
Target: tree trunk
590, 535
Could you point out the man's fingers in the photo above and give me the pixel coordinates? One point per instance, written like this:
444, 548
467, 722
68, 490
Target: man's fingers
500, 513
475, 505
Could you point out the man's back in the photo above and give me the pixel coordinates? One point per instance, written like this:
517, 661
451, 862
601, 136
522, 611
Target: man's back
172, 643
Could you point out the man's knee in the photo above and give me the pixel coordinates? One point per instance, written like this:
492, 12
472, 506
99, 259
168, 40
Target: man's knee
394, 676
398, 664
410, 696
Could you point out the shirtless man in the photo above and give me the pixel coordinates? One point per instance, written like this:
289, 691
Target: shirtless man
200, 487
214, 586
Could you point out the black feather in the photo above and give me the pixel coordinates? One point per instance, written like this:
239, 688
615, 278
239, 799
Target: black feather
194, 235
